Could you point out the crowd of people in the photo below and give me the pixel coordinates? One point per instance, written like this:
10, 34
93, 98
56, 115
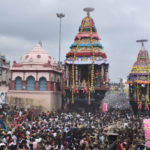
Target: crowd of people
27, 130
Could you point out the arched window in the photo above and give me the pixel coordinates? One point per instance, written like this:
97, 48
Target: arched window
43, 84
30, 83
18, 83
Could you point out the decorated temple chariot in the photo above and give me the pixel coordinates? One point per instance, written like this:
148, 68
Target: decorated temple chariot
139, 82
86, 67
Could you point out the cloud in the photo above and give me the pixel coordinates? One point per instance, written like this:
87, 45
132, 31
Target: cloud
119, 23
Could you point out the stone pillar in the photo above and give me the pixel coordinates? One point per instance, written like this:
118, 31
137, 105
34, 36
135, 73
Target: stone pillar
36, 76
24, 76
52, 86
37, 82
37, 85
24, 85
12, 85
48, 85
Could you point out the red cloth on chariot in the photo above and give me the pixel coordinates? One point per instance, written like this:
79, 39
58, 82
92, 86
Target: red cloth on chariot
146, 107
85, 90
76, 90
140, 106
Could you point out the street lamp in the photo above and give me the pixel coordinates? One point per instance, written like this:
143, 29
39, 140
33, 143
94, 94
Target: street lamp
60, 15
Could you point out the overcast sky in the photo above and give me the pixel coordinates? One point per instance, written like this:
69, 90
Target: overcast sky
119, 24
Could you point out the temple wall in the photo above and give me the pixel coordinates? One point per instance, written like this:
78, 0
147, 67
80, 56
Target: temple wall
43, 100
43, 74
4, 88
27, 74
47, 75
17, 74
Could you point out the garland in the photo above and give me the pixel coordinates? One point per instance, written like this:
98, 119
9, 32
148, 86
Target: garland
88, 29
93, 60
148, 83
87, 45
137, 85
87, 54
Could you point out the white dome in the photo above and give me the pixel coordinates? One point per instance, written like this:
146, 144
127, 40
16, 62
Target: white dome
37, 55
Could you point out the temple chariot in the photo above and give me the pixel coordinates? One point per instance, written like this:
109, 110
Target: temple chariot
139, 80
86, 68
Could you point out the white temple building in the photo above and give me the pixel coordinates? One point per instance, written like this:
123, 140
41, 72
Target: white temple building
36, 81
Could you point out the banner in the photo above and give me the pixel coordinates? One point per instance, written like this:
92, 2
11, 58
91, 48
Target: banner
147, 131
105, 109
